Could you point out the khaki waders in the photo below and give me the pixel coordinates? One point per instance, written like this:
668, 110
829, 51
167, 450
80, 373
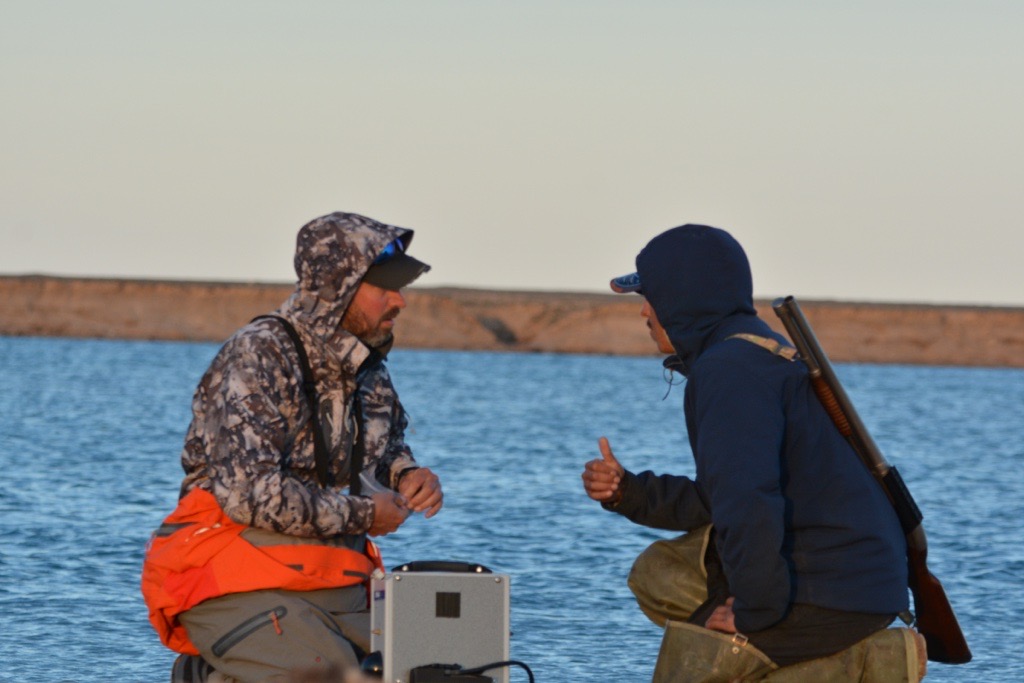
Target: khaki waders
669, 580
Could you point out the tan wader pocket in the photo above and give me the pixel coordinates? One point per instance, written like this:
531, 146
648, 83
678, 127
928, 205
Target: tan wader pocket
691, 654
669, 579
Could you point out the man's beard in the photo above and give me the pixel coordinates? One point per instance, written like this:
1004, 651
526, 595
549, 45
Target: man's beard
355, 322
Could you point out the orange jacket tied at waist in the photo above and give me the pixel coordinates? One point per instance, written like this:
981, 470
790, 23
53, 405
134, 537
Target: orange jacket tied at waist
199, 553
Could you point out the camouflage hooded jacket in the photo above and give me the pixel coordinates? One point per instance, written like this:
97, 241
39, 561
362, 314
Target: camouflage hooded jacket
250, 442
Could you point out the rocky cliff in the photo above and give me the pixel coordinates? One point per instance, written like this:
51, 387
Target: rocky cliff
468, 319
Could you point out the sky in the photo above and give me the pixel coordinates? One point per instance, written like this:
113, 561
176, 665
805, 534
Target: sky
868, 151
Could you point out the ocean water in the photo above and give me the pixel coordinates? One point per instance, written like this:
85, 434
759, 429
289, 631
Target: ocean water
91, 432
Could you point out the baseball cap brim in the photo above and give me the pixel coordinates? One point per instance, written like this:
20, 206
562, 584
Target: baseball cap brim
625, 284
396, 273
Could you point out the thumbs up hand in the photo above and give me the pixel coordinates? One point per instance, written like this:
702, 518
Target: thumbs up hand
602, 476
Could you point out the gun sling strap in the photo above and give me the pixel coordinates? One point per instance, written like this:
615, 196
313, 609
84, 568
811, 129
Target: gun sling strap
777, 348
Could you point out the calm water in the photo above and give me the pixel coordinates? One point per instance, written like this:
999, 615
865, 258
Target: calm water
89, 453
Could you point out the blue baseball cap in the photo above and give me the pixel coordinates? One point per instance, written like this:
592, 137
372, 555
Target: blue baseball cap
624, 284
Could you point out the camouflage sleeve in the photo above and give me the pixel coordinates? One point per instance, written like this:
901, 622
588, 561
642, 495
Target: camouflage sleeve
385, 421
248, 440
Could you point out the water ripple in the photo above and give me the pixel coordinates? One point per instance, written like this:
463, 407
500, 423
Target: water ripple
90, 457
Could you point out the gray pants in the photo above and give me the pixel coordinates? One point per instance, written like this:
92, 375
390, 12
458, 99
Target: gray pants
278, 635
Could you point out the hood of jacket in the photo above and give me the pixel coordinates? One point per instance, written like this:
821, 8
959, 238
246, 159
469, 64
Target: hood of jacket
332, 255
697, 279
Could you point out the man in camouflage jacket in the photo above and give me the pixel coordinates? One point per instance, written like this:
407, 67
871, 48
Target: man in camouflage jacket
251, 444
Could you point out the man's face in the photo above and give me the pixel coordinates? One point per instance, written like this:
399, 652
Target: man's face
372, 312
658, 333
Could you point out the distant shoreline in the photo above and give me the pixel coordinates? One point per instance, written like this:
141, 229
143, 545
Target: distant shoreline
494, 320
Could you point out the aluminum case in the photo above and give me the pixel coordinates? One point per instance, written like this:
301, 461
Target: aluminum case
419, 618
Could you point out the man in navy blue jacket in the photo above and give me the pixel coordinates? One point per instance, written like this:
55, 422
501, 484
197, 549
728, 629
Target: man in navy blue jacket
807, 556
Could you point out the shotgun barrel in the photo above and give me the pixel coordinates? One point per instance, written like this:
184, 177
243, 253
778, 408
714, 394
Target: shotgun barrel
935, 619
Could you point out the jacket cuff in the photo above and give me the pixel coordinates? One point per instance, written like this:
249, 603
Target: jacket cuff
396, 467
627, 495
361, 511
401, 475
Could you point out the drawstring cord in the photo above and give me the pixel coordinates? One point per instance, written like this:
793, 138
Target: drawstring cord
669, 375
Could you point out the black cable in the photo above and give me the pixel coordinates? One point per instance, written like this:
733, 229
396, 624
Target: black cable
495, 665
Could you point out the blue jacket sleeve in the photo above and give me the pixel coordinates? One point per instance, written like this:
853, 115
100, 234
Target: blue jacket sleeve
737, 424
662, 502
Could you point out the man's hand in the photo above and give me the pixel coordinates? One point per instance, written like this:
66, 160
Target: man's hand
422, 489
389, 511
722, 619
601, 477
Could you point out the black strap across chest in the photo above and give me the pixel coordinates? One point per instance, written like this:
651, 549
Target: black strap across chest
320, 453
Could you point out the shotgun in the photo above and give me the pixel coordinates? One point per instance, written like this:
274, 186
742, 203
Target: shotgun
935, 619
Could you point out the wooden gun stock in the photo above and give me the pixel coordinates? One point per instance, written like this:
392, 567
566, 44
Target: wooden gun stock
935, 619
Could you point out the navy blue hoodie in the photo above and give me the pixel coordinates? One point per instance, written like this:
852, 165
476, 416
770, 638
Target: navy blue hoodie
797, 516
